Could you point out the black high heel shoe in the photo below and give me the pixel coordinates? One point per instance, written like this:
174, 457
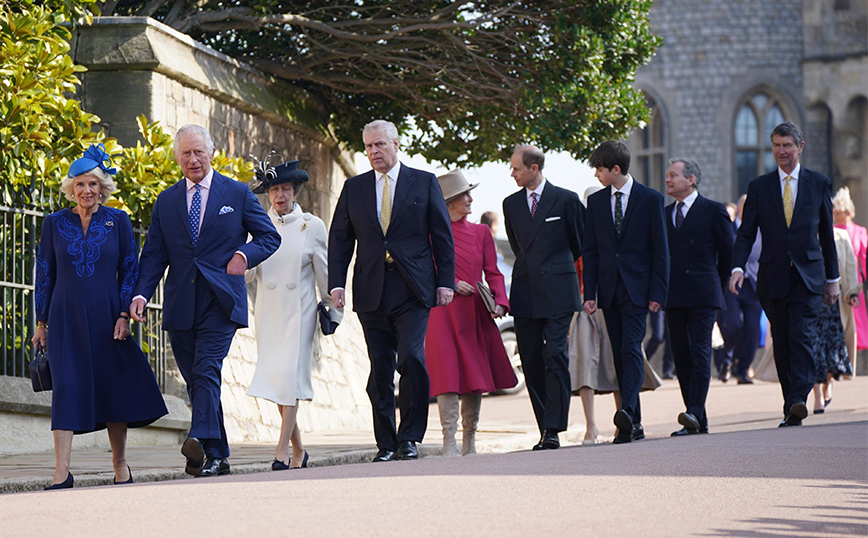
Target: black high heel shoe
303, 462
66, 484
130, 481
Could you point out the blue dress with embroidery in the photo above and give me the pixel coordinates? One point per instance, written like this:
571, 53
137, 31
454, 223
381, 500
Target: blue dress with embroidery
83, 283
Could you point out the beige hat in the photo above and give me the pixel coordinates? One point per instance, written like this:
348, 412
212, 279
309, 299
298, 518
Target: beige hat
454, 183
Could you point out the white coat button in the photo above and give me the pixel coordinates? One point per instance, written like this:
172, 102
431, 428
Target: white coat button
290, 285
270, 285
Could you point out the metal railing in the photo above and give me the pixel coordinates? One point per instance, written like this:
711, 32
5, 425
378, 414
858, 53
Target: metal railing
19, 239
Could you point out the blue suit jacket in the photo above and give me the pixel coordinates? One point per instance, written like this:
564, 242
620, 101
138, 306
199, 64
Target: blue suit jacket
546, 247
700, 255
419, 238
232, 213
640, 254
808, 244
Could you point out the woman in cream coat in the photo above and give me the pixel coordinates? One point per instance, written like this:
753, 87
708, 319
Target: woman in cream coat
285, 306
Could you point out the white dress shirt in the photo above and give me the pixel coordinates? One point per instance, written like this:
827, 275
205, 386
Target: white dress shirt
205, 185
393, 183
625, 196
794, 181
538, 190
687, 203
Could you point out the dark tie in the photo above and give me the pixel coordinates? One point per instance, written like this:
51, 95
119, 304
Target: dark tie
195, 210
679, 215
534, 203
619, 213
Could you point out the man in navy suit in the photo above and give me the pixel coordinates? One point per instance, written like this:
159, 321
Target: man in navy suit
626, 270
798, 264
544, 226
199, 229
405, 265
700, 252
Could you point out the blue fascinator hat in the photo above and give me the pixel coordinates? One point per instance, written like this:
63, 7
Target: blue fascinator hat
95, 156
269, 176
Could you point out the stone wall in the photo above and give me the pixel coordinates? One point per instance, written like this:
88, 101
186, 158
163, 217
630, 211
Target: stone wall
714, 54
139, 66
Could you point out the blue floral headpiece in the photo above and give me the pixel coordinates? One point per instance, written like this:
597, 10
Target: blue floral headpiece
95, 156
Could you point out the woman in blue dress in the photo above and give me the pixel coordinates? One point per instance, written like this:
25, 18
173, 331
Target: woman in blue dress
86, 269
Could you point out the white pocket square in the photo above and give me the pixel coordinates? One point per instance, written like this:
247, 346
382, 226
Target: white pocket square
550, 219
225, 209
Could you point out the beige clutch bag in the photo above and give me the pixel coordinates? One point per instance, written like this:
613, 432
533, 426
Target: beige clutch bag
487, 296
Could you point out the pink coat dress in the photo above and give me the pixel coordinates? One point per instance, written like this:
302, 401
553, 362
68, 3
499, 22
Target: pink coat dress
859, 239
463, 349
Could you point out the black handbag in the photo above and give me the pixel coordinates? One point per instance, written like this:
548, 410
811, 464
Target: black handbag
40, 374
326, 325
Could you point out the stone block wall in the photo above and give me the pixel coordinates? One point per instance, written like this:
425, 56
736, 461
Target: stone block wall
139, 66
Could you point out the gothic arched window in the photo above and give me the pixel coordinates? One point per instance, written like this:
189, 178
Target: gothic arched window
648, 149
754, 123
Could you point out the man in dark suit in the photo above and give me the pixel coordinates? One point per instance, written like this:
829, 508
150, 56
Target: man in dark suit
798, 264
199, 230
740, 321
626, 271
700, 253
544, 227
405, 265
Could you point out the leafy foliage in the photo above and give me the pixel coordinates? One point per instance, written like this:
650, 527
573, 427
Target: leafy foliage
472, 77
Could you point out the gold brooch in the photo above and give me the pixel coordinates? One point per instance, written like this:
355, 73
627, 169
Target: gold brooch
303, 226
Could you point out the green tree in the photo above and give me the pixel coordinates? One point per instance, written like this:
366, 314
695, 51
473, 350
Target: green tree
473, 78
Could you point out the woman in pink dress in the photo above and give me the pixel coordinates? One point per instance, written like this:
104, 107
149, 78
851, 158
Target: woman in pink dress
845, 211
463, 349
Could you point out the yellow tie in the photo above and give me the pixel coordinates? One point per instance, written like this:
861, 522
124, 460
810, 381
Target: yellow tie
386, 207
788, 201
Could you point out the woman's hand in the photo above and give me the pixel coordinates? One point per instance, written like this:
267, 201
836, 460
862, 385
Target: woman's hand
122, 328
499, 311
40, 337
464, 288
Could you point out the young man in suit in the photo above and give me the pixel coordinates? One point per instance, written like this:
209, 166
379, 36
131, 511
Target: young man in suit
798, 264
405, 265
544, 227
626, 271
700, 252
199, 229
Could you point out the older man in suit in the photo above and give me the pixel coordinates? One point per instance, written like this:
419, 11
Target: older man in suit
798, 264
405, 265
199, 230
626, 271
544, 228
700, 252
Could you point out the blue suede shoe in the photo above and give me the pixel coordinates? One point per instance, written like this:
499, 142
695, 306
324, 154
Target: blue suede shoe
303, 462
278, 465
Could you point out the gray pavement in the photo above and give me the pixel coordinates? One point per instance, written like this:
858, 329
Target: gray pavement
746, 467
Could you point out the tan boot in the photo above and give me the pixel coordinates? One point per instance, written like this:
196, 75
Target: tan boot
448, 405
470, 405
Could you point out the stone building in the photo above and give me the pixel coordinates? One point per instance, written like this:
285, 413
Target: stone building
728, 72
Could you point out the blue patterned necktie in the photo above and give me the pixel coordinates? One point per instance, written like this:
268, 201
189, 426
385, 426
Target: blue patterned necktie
619, 213
679, 215
195, 210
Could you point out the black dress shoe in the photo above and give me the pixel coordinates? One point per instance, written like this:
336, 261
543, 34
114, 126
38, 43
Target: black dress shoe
744, 380
638, 433
128, 481
683, 431
407, 451
550, 440
384, 454
278, 465
724, 373
689, 421
66, 484
215, 467
193, 450
625, 427
798, 411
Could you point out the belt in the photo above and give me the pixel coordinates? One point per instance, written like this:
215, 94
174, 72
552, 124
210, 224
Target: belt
390, 266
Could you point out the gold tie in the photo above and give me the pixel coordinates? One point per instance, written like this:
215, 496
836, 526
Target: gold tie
386, 207
788, 201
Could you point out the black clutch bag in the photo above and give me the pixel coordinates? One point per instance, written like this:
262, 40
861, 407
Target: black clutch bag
40, 375
326, 325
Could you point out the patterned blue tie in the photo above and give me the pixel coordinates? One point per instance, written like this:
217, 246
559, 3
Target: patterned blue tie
195, 209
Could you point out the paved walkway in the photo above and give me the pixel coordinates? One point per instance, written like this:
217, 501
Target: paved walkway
506, 425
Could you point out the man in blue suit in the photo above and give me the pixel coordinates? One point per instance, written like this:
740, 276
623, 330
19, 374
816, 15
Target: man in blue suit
700, 248
626, 270
199, 229
405, 265
544, 226
798, 264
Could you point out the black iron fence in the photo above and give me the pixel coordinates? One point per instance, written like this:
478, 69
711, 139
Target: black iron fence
22, 217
